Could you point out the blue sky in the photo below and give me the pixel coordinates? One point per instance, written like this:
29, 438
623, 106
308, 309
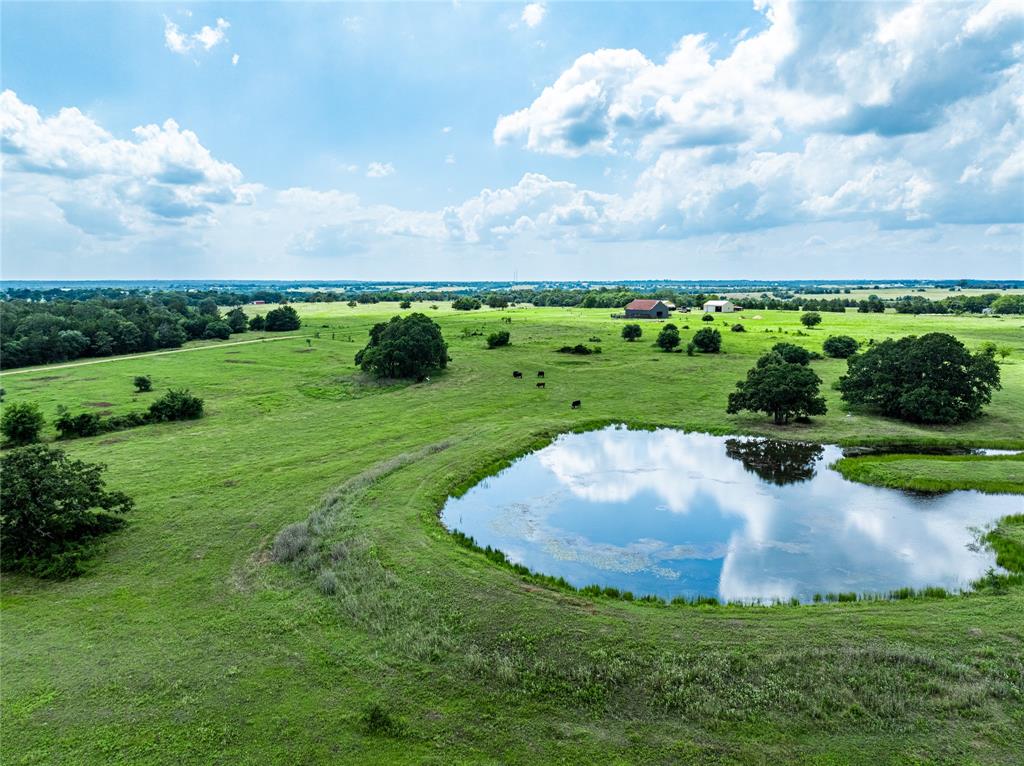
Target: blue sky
462, 140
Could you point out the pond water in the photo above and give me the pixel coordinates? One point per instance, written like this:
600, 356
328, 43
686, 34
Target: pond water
672, 514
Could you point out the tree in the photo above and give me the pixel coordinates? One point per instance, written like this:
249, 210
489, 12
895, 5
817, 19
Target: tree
840, 346
497, 301
170, 335
53, 507
217, 329
1008, 304
143, 383
208, 307
21, 424
708, 340
283, 318
707, 318
927, 379
632, 332
405, 305
738, 328
668, 338
810, 319
792, 353
257, 323
405, 347
500, 338
779, 388
237, 320
465, 303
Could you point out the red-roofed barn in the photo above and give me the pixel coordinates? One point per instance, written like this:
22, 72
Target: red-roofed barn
647, 309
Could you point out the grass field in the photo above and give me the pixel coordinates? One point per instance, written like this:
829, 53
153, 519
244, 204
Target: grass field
186, 644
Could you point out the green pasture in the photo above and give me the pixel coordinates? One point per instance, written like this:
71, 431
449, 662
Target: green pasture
186, 644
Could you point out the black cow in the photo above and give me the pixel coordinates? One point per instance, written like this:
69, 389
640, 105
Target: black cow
577, 404
517, 374
540, 373
540, 385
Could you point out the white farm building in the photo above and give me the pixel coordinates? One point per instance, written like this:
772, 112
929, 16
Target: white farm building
720, 307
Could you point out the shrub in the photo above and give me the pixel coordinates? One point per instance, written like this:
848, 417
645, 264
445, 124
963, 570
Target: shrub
258, 323
143, 383
708, 318
580, 349
738, 328
500, 338
668, 338
76, 426
405, 347
465, 303
691, 348
291, 542
170, 335
53, 508
792, 353
810, 319
930, 379
175, 405
405, 305
840, 346
377, 720
21, 424
282, 319
779, 388
708, 340
218, 329
632, 332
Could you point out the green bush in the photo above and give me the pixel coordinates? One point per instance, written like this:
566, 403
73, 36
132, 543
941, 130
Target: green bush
217, 329
579, 349
708, 340
738, 328
810, 319
21, 423
466, 303
282, 319
708, 318
175, 405
143, 383
237, 320
53, 509
258, 323
405, 305
668, 339
76, 426
631, 332
840, 346
500, 338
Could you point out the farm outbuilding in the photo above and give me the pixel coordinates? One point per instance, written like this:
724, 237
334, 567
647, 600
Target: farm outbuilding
647, 309
719, 307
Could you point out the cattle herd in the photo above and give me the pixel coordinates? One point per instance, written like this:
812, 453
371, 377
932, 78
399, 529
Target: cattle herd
576, 404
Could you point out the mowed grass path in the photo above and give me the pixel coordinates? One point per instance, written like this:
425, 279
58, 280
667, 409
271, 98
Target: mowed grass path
184, 644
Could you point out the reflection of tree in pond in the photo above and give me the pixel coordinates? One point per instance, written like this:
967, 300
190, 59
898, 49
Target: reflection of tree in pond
776, 461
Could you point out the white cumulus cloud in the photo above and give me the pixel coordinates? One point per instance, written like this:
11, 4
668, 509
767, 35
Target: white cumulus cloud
533, 14
379, 170
205, 39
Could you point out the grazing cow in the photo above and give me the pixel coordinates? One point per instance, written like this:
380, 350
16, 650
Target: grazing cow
577, 404
540, 373
517, 374
540, 384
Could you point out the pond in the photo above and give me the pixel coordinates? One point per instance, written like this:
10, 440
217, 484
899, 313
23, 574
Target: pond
671, 513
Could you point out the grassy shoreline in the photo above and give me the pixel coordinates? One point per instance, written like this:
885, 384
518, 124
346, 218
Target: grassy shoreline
937, 473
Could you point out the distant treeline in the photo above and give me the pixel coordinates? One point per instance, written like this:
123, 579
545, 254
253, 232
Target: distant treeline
59, 330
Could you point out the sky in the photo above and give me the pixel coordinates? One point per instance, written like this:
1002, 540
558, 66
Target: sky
462, 141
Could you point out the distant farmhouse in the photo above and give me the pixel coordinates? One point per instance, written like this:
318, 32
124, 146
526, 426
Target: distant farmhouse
647, 309
720, 307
